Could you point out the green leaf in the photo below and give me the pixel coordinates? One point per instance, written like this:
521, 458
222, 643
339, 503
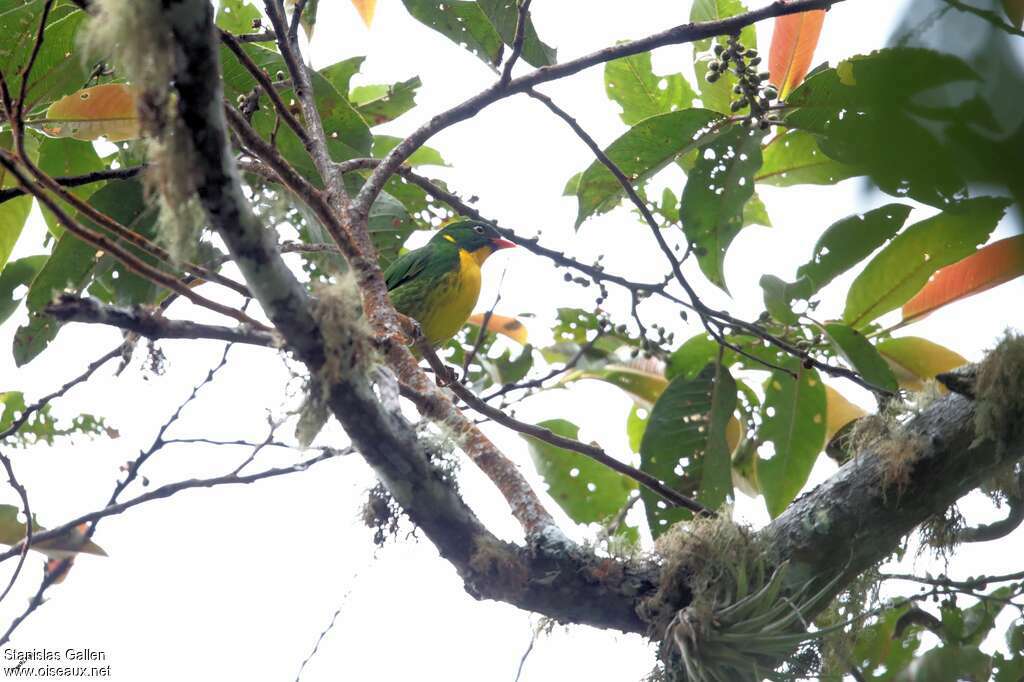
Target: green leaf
237, 16
904, 266
779, 296
340, 73
389, 222
685, 441
948, 664
13, 212
41, 427
641, 152
424, 156
643, 387
795, 158
717, 96
793, 423
464, 23
348, 136
631, 83
16, 274
71, 265
846, 242
504, 15
54, 73
690, 358
861, 356
587, 491
113, 282
864, 115
636, 425
716, 192
65, 156
382, 103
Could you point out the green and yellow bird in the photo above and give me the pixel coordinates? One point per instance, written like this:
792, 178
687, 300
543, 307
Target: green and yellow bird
438, 284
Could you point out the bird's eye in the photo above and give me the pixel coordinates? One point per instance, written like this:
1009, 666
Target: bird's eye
479, 229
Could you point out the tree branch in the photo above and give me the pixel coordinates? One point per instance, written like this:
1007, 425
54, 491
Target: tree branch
685, 33
151, 323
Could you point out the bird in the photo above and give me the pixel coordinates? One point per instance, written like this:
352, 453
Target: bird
438, 284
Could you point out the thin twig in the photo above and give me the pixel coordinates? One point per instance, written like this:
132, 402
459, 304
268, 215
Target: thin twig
522, 18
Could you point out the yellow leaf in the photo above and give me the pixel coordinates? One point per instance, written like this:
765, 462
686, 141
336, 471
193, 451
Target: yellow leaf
366, 9
500, 324
839, 412
100, 111
915, 360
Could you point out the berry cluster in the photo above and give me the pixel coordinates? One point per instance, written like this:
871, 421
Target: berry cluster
752, 89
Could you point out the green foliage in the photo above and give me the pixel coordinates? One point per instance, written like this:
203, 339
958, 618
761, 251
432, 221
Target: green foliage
904, 266
716, 192
684, 443
641, 152
793, 424
382, 103
717, 96
587, 491
865, 116
861, 356
41, 427
632, 84
462, 22
795, 158
504, 15
237, 16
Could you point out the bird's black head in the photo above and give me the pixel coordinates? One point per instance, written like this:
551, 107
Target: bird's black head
472, 235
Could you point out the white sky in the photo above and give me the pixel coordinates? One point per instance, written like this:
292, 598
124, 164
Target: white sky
237, 583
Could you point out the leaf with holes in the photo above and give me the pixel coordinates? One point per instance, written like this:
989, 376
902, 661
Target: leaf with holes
106, 111
383, 103
718, 95
641, 152
793, 428
914, 360
587, 491
464, 23
864, 115
795, 158
848, 241
861, 356
504, 15
904, 266
793, 42
17, 275
990, 266
631, 83
685, 443
716, 192
237, 16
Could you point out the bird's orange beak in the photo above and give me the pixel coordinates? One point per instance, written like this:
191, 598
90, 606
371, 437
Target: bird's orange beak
498, 243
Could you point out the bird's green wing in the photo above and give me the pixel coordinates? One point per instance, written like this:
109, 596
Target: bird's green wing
406, 267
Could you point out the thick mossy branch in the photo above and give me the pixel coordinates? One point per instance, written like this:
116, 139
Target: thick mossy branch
999, 389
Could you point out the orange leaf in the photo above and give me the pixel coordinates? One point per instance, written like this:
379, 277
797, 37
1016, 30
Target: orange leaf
500, 324
915, 360
988, 267
100, 111
1015, 11
793, 43
366, 9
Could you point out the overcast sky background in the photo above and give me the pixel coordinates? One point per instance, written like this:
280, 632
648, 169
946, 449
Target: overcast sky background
237, 583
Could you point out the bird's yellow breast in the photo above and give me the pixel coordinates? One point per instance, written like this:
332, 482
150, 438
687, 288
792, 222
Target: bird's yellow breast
455, 298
